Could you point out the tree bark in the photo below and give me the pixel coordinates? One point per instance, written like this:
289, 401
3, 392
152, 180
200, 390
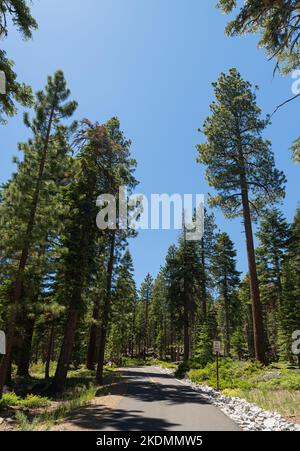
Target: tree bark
49, 351
186, 332
25, 350
227, 331
186, 319
92, 345
258, 329
227, 321
204, 290
59, 380
146, 327
8, 379
106, 311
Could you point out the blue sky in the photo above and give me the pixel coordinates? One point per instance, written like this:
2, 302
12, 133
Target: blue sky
151, 63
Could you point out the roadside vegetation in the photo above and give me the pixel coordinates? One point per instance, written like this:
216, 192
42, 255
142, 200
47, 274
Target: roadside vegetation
37, 411
275, 387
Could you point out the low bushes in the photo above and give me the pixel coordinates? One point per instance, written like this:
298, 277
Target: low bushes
30, 402
243, 375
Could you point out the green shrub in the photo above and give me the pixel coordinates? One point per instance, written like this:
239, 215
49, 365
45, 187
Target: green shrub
9, 400
23, 424
128, 361
34, 401
245, 375
231, 374
30, 402
232, 392
182, 369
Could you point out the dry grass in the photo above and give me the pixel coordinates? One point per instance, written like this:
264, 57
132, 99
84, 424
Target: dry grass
285, 402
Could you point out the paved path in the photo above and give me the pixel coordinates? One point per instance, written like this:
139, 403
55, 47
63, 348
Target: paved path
152, 401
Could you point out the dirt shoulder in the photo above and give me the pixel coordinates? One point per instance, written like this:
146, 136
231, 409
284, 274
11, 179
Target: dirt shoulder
88, 417
80, 409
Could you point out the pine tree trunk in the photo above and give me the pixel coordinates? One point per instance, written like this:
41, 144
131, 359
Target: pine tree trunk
250, 337
173, 353
50, 348
8, 379
186, 339
276, 303
92, 345
227, 321
146, 328
59, 380
132, 334
204, 290
164, 355
186, 322
227, 330
106, 311
25, 350
258, 329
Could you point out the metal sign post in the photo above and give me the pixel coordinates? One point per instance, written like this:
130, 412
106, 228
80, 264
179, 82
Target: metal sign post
218, 381
217, 350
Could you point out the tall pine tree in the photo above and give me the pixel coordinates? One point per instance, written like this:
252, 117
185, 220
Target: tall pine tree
241, 167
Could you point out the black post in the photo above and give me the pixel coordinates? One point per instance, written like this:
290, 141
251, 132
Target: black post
218, 383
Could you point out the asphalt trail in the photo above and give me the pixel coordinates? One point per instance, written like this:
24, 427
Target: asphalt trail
153, 401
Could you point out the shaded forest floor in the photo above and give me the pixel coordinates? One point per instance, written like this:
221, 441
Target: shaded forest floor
27, 408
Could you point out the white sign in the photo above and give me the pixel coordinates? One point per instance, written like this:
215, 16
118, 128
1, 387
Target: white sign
296, 342
2, 343
217, 347
2, 82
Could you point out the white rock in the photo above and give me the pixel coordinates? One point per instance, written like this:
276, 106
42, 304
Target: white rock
10, 420
269, 422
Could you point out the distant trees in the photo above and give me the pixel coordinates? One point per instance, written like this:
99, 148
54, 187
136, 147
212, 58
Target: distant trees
240, 166
182, 299
226, 280
146, 299
273, 235
206, 252
121, 334
229, 300
290, 302
159, 317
